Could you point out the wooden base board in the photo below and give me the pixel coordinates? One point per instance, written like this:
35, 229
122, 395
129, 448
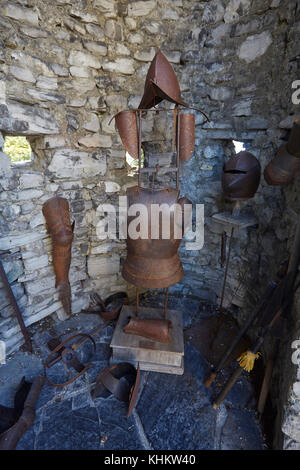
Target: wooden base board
152, 355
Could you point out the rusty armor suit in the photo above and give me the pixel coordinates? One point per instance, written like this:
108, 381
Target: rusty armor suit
154, 263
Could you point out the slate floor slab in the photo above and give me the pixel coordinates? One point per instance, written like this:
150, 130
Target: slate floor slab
173, 412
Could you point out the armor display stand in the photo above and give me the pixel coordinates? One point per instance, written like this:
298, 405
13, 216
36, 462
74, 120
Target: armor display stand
154, 337
151, 355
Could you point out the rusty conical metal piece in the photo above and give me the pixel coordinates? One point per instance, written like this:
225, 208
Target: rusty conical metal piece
126, 123
161, 84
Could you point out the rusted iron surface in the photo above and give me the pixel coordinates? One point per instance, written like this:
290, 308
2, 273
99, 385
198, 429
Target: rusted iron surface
155, 329
121, 380
293, 145
223, 249
109, 309
9, 416
134, 392
286, 163
283, 168
161, 83
186, 136
18, 314
10, 438
150, 262
57, 215
68, 356
241, 176
126, 123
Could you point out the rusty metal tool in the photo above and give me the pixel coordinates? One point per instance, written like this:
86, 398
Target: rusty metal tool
109, 309
261, 307
10, 438
286, 296
254, 352
18, 314
121, 380
68, 356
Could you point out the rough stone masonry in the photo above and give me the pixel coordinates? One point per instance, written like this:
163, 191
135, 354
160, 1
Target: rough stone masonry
66, 67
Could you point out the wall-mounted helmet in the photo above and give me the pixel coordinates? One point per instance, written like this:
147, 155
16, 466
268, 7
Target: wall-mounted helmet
286, 163
241, 176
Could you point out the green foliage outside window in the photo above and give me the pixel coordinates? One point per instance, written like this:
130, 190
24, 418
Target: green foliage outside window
17, 148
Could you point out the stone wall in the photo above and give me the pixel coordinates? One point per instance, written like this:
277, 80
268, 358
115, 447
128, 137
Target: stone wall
66, 67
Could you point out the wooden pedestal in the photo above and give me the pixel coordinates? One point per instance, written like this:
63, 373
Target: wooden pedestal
152, 355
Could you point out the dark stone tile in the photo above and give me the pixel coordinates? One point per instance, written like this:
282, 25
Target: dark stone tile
27, 440
64, 429
172, 406
117, 431
241, 431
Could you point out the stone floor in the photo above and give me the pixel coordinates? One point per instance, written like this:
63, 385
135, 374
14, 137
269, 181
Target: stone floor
173, 412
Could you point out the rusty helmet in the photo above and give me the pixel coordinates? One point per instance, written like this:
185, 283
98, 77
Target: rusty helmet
241, 176
161, 83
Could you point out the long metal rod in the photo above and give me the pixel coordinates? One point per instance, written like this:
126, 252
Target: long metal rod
177, 149
226, 269
137, 301
166, 302
17, 311
257, 345
260, 308
139, 146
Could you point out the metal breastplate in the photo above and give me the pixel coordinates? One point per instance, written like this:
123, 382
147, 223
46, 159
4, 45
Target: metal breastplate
153, 263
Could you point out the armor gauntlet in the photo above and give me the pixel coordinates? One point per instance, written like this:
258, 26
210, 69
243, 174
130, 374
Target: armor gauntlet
57, 215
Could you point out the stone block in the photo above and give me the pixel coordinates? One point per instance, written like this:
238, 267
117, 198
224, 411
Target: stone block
107, 7
235, 9
92, 123
22, 74
95, 140
84, 16
29, 120
97, 47
255, 46
31, 180
32, 264
213, 12
95, 30
45, 96
70, 163
48, 83
85, 59
18, 13
33, 32
100, 266
136, 9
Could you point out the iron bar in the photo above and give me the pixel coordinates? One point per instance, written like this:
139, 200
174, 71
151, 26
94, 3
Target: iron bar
28, 344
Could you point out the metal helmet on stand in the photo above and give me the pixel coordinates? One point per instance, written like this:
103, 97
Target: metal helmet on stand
241, 176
